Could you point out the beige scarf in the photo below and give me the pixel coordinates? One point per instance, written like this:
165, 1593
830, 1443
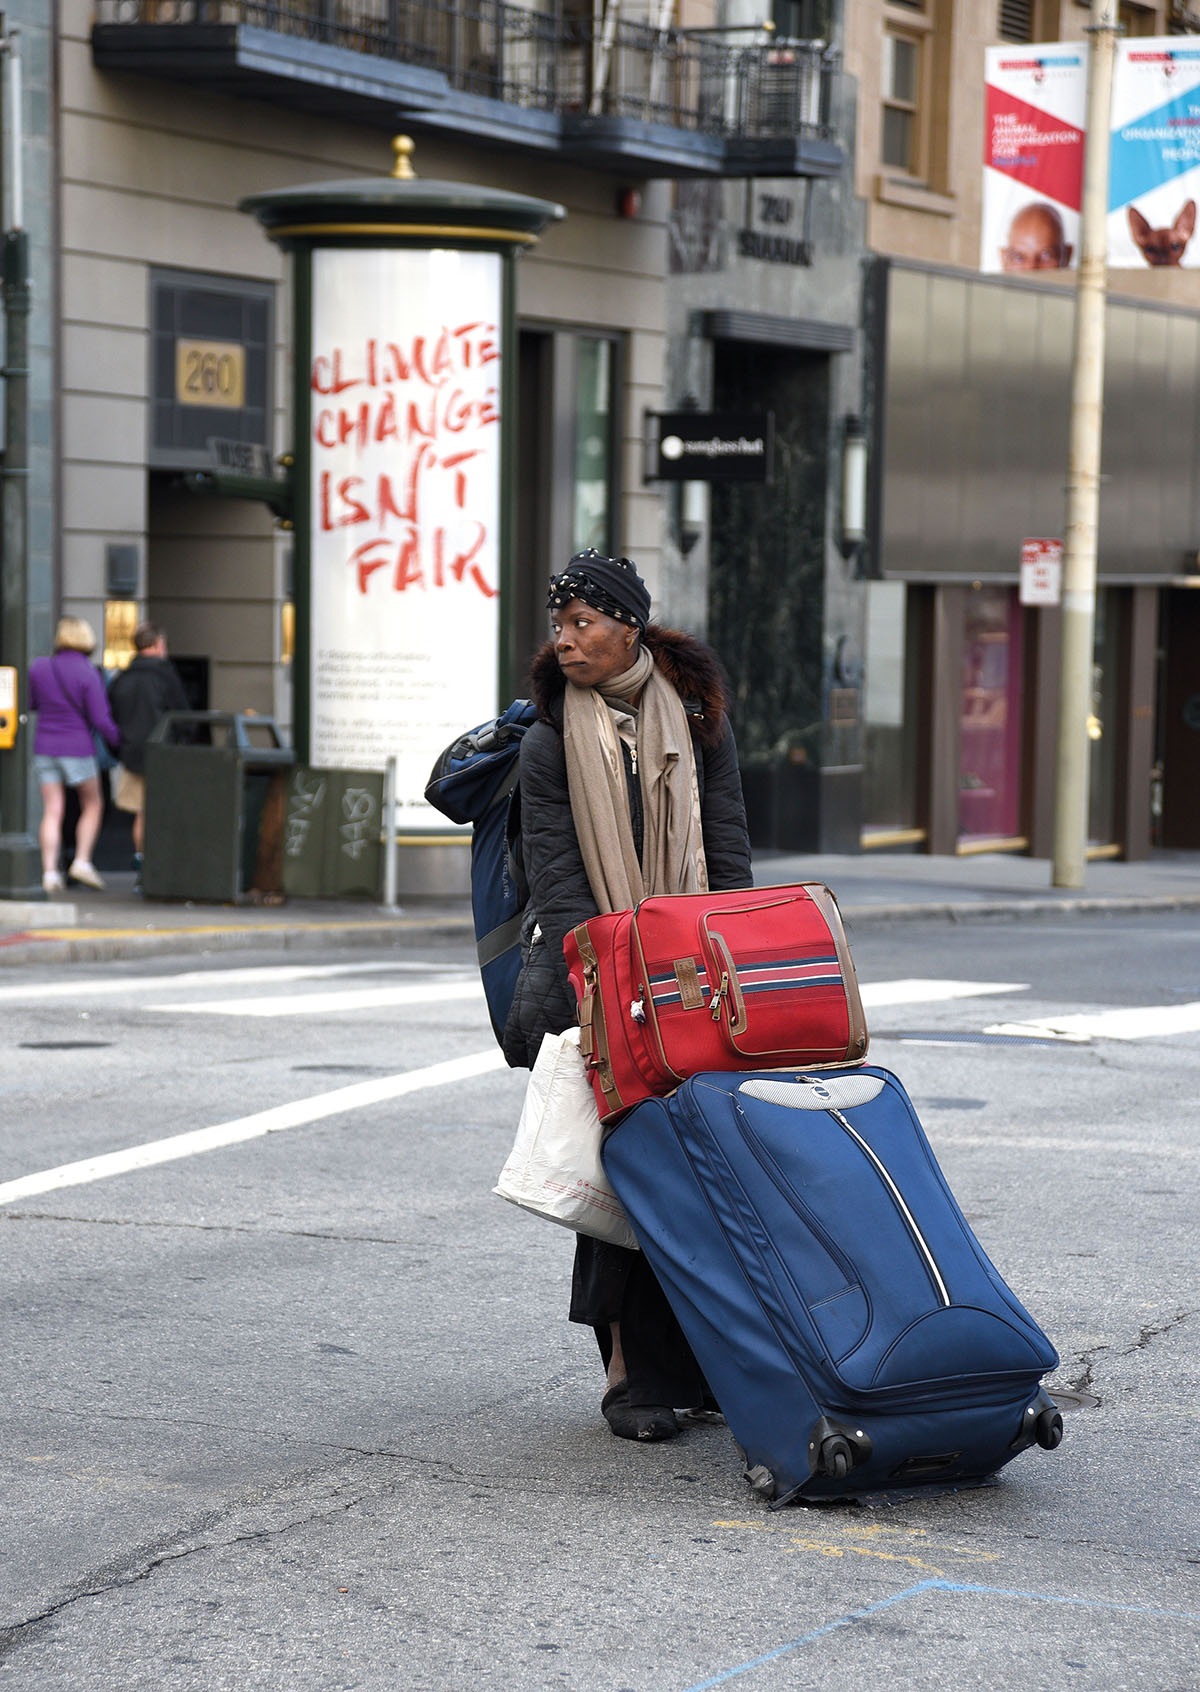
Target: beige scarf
594, 725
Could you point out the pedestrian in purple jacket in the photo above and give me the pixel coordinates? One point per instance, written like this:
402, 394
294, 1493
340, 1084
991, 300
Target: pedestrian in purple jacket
67, 692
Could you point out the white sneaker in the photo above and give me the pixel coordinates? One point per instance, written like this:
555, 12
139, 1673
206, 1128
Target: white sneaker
87, 873
52, 882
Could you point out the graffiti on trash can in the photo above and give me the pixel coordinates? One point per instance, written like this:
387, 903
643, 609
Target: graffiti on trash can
360, 830
304, 802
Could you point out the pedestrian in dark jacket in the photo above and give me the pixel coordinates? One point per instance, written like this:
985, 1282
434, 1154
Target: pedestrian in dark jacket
629, 787
140, 695
67, 692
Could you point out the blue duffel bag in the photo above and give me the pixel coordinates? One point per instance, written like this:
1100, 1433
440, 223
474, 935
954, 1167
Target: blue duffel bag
475, 780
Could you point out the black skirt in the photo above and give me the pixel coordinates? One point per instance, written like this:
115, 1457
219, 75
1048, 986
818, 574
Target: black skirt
611, 1284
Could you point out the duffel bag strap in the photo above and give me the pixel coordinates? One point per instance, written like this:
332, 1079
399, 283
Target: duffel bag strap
593, 1031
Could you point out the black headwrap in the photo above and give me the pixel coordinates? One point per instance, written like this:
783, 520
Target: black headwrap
611, 585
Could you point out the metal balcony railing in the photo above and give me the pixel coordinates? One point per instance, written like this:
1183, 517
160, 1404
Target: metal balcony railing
552, 62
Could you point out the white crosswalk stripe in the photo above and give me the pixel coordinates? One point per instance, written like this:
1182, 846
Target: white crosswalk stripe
1141, 1022
252, 975
296, 1114
875, 994
331, 990
326, 1004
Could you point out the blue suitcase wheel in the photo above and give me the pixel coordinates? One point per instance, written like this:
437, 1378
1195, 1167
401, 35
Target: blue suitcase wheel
834, 1449
1049, 1430
835, 1458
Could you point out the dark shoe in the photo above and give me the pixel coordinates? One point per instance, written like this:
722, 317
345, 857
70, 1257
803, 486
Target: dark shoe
636, 1421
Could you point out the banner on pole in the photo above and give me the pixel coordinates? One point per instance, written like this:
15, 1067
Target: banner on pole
1036, 116
1154, 170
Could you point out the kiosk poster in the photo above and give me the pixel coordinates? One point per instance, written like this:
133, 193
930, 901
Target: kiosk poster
404, 416
1154, 165
1036, 116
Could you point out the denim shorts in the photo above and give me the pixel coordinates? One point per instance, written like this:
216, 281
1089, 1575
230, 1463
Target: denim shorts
67, 772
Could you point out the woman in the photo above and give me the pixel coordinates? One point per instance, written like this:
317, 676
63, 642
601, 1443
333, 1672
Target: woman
629, 787
72, 707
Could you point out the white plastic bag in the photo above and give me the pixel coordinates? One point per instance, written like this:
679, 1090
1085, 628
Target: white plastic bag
554, 1167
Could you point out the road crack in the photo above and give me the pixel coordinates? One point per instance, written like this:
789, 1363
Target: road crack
263, 1230
122, 1576
1086, 1361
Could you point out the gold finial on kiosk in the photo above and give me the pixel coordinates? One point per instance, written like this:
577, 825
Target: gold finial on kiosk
402, 146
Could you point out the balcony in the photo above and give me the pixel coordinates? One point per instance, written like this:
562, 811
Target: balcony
599, 91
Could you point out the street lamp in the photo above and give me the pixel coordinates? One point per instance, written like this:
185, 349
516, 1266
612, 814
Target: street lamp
854, 485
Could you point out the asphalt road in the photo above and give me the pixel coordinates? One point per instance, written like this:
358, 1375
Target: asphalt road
300, 1410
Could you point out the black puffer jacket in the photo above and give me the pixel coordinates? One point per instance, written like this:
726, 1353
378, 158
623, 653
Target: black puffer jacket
559, 892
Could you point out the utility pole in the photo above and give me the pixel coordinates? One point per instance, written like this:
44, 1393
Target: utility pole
1083, 466
18, 878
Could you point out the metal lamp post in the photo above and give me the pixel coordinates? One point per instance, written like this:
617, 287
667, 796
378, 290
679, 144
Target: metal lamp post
20, 876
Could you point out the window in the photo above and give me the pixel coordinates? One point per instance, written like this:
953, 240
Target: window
1015, 22
592, 520
1137, 20
990, 734
211, 345
121, 617
802, 20
901, 93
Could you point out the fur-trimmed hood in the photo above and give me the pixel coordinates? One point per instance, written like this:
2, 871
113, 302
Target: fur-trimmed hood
691, 668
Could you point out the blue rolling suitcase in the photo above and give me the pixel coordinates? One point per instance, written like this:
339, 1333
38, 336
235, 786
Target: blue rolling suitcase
849, 1323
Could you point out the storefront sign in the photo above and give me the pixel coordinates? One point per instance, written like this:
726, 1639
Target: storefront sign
769, 232
240, 458
405, 508
1041, 572
713, 446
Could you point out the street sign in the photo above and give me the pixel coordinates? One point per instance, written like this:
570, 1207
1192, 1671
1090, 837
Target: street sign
1041, 572
712, 446
242, 458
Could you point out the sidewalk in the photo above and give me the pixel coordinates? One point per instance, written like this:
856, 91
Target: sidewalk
92, 927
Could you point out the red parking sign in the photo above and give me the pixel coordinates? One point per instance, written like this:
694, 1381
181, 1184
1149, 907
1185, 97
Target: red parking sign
1041, 572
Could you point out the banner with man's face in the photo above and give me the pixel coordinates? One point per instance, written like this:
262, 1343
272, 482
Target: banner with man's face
1036, 116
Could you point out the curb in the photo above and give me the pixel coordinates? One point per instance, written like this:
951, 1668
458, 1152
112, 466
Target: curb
121, 945
97, 946
1001, 910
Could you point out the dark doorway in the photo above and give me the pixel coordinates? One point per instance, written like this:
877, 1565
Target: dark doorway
768, 564
1179, 720
766, 594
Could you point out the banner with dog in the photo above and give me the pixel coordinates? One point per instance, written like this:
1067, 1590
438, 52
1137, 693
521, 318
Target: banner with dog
1154, 166
1036, 121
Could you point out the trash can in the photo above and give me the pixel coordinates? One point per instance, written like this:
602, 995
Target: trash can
214, 792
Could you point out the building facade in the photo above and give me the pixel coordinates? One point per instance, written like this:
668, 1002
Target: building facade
969, 379
164, 314
776, 221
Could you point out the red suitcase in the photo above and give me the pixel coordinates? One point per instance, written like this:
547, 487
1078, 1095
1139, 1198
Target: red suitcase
759, 978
